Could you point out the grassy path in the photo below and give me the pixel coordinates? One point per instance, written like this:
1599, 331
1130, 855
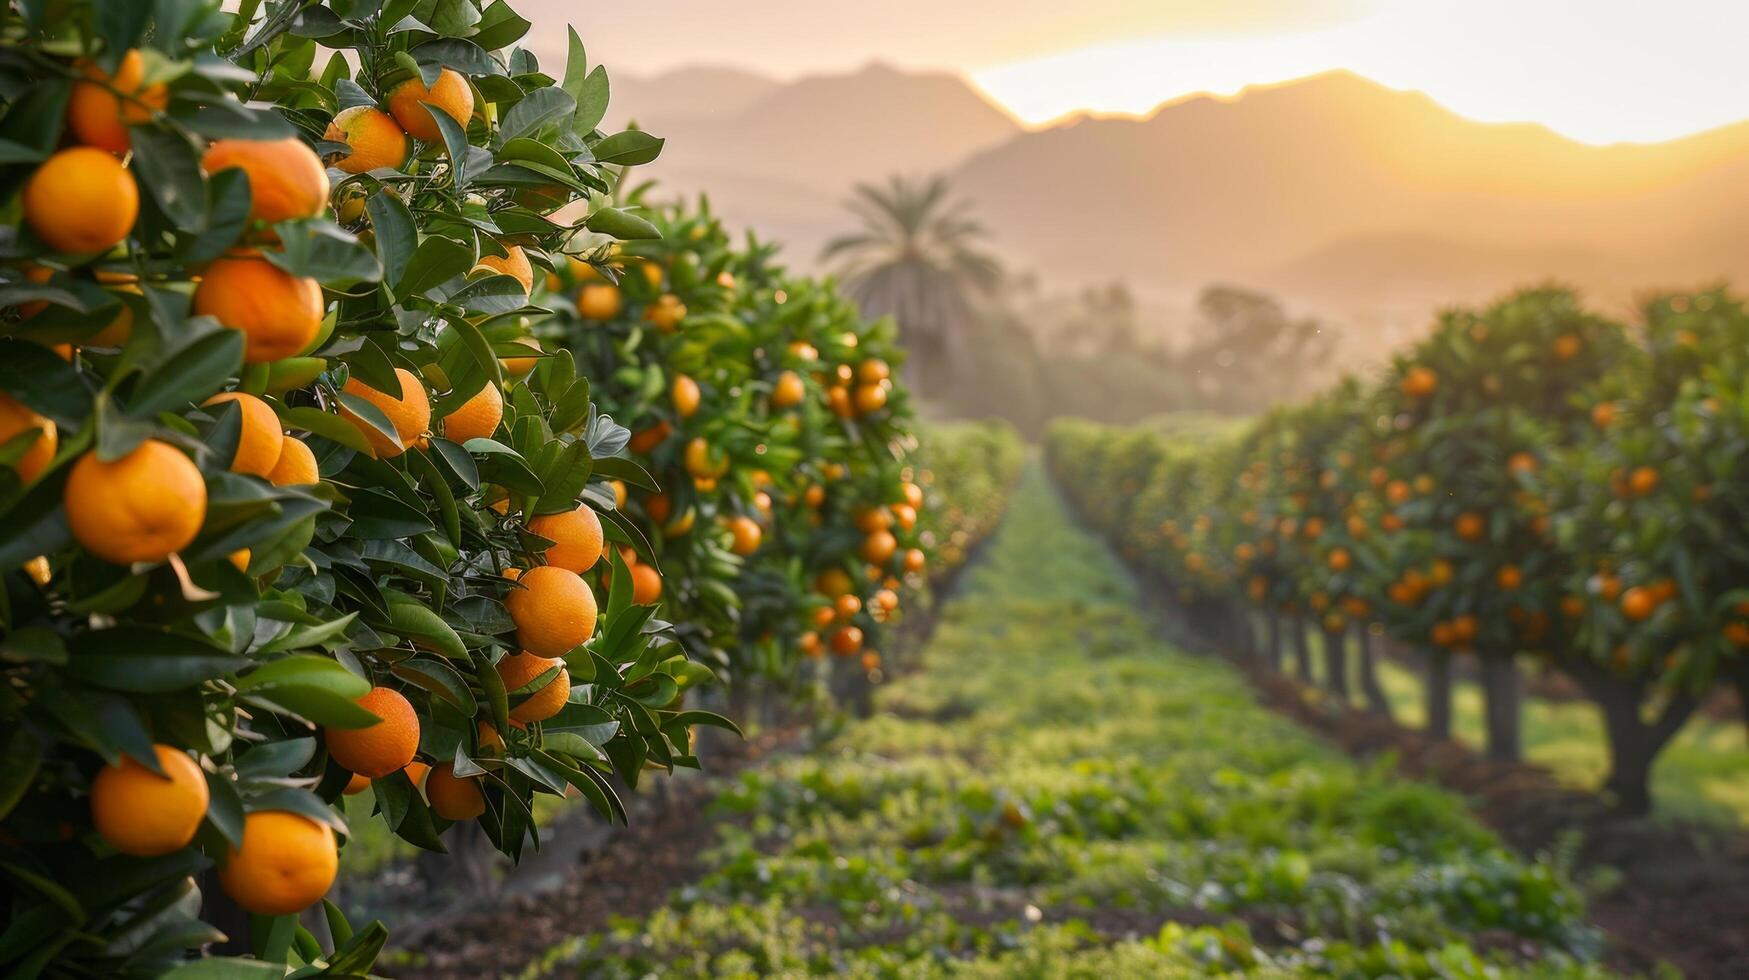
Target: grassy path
1059, 793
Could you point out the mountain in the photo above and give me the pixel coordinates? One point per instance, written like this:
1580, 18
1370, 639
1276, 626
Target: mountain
686, 93
782, 157
1338, 186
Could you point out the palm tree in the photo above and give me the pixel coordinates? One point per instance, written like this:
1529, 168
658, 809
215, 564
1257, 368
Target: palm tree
915, 260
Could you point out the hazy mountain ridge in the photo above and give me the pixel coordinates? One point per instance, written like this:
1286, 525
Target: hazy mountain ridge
1331, 188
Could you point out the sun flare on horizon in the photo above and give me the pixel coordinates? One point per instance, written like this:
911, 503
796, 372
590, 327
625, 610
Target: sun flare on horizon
1608, 73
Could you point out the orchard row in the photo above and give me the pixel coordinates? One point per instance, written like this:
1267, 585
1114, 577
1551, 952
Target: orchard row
359, 429
1534, 480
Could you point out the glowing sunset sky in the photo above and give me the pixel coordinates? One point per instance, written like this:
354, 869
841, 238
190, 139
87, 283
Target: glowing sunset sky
1596, 70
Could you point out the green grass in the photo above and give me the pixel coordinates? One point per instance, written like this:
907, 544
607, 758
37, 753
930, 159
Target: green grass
1058, 793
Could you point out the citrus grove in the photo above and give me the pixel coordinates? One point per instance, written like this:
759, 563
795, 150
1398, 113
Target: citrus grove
362, 430
1533, 484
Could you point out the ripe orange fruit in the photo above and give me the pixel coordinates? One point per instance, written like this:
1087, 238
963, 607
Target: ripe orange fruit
809, 644
519, 669
1509, 577
518, 366
915, 560
81, 200
873, 371
258, 449
356, 785
685, 395
879, 547
1567, 346
913, 494
15, 419
1339, 560
140, 507
1470, 526
598, 301
576, 536
286, 178
296, 466
645, 440
747, 534
452, 798
1642, 481
868, 520
477, 418
102, 106
416, 772
846, 606
452, 95
704, 461
869, 398
373, 138
788, 390
554, 611
838, 400
1464, 628
1420, 382
871, 660
514, 263
833, 582
409, 412
658, 507
846, 640
801, 350
278, 313
1603, 414
666, 313
138, 812
287, 863
1638, 603
380, 748
1521, 463
646, 585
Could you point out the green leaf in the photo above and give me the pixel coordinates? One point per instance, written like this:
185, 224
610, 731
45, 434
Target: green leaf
20, 755
312, 687
324, 252
169, 172
397, 236
499, 27
189, 376
628, 149
621, 224
440, 679
145, 661
437, 260
537, 110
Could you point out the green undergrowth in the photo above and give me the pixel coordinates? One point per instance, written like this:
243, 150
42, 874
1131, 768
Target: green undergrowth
1058, 793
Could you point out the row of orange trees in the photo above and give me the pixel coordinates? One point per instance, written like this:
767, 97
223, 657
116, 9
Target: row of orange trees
313, 479
1532, 480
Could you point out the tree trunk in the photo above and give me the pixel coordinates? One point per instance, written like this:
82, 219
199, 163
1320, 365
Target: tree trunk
1634, 743
1438, 694
1501, 687
1376, 702
1302, 649
1243, 634
1336, 663
1272, 650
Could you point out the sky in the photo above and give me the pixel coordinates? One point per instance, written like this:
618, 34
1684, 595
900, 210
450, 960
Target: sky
1597, 70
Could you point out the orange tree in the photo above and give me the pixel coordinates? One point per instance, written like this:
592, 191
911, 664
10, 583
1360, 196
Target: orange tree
767, 411
283, 519
1650, 506
1481, 405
